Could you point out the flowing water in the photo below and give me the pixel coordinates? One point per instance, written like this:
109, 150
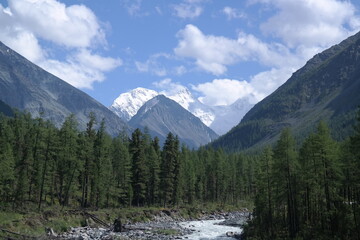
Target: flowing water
208, 229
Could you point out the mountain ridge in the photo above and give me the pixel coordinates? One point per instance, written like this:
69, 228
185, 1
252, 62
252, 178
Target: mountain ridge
219, 118
161, 115
25, 86
326, 88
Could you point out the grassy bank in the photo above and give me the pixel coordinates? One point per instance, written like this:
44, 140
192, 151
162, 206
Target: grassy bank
34, 223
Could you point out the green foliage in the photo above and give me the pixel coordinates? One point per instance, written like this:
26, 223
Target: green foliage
45, 166
312, 193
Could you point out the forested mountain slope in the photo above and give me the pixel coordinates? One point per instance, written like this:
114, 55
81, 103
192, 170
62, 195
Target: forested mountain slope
326, 88
6, 109
25, 86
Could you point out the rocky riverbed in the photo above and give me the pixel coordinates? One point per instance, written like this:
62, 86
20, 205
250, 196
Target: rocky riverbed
164, 226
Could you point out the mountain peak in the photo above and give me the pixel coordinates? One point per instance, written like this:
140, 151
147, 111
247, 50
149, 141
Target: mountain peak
219, 118
183, 97
162, 115
127, 104
27, 87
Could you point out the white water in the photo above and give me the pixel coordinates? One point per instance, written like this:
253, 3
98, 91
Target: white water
206, 230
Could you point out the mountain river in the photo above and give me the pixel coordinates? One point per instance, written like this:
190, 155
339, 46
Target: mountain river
208, 229
212, 227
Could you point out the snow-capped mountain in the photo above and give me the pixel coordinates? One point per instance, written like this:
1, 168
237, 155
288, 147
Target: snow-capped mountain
229, 116
219, 118
161, 115
127, 104
185, 98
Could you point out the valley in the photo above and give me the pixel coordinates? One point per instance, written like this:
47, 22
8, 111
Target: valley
253, 153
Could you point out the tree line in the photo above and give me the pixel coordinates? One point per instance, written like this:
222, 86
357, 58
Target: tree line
44, 165
308, 193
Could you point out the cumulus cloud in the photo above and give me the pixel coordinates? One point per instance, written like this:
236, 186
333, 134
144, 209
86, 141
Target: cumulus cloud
214, 53
72, 26
188, 9
82, 69
168, 87
227, 91
25, 22
223, 91
300, 30
310, 22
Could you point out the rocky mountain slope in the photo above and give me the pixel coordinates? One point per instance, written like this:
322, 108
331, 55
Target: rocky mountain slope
127, 104
326, 88
162, 115
219, 118
25, 86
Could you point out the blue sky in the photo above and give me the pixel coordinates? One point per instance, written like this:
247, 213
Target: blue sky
221, 50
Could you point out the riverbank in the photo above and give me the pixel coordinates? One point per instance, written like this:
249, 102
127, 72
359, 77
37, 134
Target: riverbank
56, 221
166, 226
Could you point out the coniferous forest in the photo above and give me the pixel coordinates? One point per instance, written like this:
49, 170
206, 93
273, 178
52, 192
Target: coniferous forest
43, 165
311, 191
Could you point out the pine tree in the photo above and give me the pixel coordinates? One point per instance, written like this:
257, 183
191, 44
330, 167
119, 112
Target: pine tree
49, 153
170, 169
188, 176
137, 150
121, 163
68, 164
86, 148
102, 177
7, 162
23, 156
264, 199
354, 195
285, 173
327, 151
154, 155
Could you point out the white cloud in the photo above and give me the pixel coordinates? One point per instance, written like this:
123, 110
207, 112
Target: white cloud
188, 9
311, 22
72, 26
86, 58
168, 87
214, 53
25, 22
301, 29
158, 64
223, 91
134, 7
153, 65
211, 53
233, 13
227, 91
266, 82
180, 70
73, 73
